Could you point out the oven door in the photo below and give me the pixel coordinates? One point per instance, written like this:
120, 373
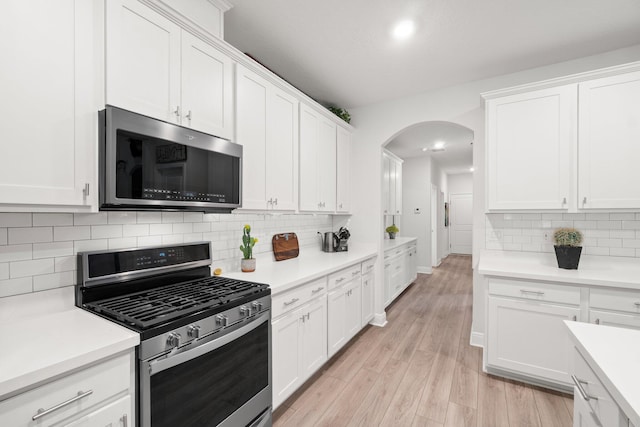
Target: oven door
225, 380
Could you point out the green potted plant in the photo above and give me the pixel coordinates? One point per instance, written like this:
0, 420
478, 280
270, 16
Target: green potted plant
248, 262
392, 230
567, 245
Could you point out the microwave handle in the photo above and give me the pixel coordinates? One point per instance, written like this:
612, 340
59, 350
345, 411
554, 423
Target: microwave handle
171, 361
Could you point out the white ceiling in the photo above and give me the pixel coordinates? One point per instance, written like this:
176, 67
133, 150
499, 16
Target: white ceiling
339, 52
457, 156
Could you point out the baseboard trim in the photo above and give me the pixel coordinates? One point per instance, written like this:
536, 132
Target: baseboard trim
379, 319
425, 270
561, 387
477, 339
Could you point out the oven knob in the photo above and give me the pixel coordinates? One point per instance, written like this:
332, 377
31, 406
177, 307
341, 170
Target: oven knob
245, 311
257, 306
173, 339
193, 331
222, 320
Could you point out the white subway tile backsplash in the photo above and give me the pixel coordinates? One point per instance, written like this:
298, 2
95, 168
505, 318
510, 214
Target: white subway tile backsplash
106, 231
4, 270
50, 250
65, 263
16, 252
11, 287
134, 230
597, 216
590, 250
210, 217
123, 243
522, 239
170, 217
631, 225
15, 220
584, 225
193, 237
182, 228
158, 229
54, 280
552, 216
121, 217
609, 225
193, 217
622, 216
30, 235
82, 232
90, 245
631, 243
30, 268
627, 252
596, 233
100, 218
573, 216
561, 223
149, 240
51, 219
3, 236
610, 243
622, 234
172, 239
201, 227
149, 217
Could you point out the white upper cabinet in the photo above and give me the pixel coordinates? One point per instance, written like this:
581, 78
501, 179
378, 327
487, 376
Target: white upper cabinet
391, 184
609, 144
343, 165
51, 72
317, 161
530, 140
267, 127
157, 69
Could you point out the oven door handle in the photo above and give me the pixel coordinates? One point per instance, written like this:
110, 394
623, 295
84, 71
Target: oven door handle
160, 365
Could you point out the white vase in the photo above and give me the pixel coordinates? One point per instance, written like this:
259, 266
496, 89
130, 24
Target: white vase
248, 265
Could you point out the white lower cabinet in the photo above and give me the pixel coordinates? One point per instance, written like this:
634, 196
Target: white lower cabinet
103, 396
344, 314
400, 270
368, 294
614, 307
583, 416
299, 346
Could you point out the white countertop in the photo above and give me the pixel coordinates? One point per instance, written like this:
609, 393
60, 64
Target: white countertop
389, 244
614, 355
52, 343
309, 265
592, 270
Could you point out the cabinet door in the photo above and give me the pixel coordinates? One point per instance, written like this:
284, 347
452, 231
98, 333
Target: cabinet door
343, 173
336, 334
314, 336
583, 416
309, 141
620, 320
286, 348
398, 276
282, 150
388, 287
251, 115
207, 88
117, 413
386, 189
531, 139
143, 60
530, 338
353, 306
368, 288
608, 149
327, 164
49, 103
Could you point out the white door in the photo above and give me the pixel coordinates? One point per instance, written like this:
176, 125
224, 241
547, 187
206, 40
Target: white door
207, 89
460, 223
143, 60
608, 148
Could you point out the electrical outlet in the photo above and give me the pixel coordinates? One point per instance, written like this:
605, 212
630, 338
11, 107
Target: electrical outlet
416, 211
547, 236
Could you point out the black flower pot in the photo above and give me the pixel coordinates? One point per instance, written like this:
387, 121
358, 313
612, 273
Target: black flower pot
568, 256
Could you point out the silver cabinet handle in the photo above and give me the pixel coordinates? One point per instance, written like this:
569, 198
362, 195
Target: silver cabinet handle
584, 201
315, 291
564, 200
124, 420
637, 304
575, 318
340, 280
583, 393
177, 112
188, 116
355, 273
387, 265
275, 201
597, 322
42, 412
292, 301
524, 291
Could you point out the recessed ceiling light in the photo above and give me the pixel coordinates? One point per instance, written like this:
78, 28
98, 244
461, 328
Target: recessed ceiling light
438, 145
471, 169
425, 149
403, 30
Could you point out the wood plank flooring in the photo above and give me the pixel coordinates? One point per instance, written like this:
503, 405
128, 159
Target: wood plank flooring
420, 370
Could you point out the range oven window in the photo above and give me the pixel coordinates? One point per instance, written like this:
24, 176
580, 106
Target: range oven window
149, 168
206, 390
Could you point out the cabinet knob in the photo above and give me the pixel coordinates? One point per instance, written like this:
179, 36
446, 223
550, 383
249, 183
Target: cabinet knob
584, 201
564, 200
275, 201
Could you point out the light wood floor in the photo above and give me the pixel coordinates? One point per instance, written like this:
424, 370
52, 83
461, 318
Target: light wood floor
420, 370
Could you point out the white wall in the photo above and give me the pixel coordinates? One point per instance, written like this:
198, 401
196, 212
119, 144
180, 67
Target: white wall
416, 189
377, 124
460, 183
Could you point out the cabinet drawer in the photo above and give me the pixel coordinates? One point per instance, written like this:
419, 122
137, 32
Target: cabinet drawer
627, 301
393, 253
294, 298
535, 291
368, 266
598, 398
343, 276
104, 380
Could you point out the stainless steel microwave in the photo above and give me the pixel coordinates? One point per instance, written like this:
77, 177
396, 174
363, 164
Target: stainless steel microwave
148, 164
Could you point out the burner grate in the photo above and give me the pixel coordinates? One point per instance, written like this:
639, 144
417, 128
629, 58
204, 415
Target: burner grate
149, 308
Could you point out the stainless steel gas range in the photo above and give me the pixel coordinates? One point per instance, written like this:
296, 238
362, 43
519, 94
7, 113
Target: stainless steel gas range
205, 342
